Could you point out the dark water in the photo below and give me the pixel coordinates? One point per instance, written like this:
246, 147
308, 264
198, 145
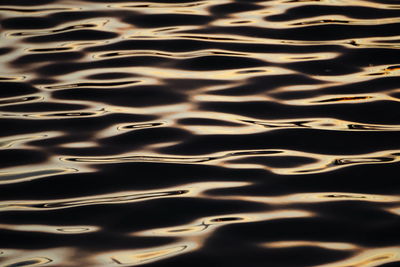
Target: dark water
200, 133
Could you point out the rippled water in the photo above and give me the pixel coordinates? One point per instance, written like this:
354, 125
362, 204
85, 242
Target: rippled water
200, 133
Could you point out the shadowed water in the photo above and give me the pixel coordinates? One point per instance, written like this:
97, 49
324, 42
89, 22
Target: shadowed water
200, 133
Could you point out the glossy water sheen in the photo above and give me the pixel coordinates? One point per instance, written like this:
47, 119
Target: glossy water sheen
200, 133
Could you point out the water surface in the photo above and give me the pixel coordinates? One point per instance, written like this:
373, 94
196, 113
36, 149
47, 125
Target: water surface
200, 133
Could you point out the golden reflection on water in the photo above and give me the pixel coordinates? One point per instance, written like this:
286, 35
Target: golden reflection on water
277, 60
53, 229
323, 162
138, 257
294, 199
395, 210
206, 226
45, 257
31, 262
30, 173
189, 190
327, 245
199, 231
369, 258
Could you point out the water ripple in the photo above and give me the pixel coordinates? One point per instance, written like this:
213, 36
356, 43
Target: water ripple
212, 133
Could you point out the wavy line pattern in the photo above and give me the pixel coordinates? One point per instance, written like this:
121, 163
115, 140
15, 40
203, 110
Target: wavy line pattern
200, 133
